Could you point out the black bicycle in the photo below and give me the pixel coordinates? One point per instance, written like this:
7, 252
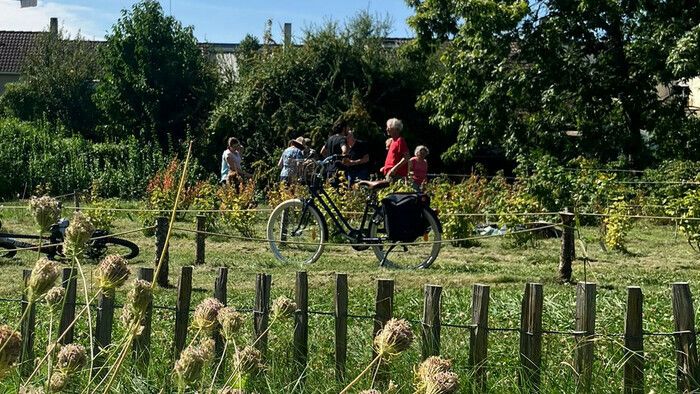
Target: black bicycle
100, 244
401, 224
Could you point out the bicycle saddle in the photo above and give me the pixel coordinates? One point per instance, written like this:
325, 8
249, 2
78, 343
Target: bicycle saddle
374, 185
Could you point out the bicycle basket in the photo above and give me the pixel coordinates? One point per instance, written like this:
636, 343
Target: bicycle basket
403, 216
304, 171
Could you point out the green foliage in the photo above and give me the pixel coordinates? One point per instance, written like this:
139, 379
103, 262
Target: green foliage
156, 80
616, 225
688, 209
509, 210
456, 204
57, 84
101, 213
237, 207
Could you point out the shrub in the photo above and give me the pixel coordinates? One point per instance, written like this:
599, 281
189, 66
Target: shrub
237, 207
454, 203
616, 225
688, 208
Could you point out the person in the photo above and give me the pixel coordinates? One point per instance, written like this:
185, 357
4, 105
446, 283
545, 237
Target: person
419, 167
357, 152
309, 152
334, 144
231, 171
290, 159
396, 162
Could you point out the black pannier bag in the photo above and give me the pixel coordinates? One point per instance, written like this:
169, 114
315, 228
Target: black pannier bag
403, 216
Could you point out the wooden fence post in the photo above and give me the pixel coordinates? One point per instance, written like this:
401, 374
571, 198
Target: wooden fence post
28, 324
568, 247
220, 294
70, 283
341, 325
430, 330
103, 328
384, 310
200, 238
76, 199
182, 310
633, 381
301, 323
261, 310
687, 377
585, 332
531, 338
162, 224
478, 338
142, 343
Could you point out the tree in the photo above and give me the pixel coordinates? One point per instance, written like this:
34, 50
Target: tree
57, 84
518, 74
157, 80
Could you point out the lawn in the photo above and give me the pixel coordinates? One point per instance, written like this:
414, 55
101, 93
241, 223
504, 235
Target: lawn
656, 257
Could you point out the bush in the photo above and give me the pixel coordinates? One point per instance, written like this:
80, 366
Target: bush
616, 225
455, 203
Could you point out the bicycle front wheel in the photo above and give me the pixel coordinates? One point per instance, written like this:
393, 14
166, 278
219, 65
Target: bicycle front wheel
418, 254
297, 232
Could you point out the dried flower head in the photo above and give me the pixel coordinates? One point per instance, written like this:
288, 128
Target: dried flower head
230, 320
205, 315
71, 358
58, 381
443, 383
54, 297
10, 348
431, 366
370, 391
45, 210
77, 235
283, 307
112, 273
30, 390
249, 360
141, 295
229, 390
43, 277
394, 338
188, 367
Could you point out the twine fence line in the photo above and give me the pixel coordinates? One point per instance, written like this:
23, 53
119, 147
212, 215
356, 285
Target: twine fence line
38, 247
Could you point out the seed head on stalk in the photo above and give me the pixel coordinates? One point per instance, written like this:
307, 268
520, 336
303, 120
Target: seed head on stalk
112, 273
54, 297
394, 338
30, 390
425, 379
77, 235
283, 307
189, 366
11, 345
370, 391
45, 210
58, 381
228, 390
230, 320
43, 277
205, 315
135, 306
71, 358
443, 383
249, 361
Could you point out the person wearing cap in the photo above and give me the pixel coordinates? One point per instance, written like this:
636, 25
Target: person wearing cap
290, 158
231, 171
357, 157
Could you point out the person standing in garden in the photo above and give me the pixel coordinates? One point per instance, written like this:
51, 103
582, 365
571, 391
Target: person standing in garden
291, 158
357, 152
397, 156
334, 144
231, 171
419, 167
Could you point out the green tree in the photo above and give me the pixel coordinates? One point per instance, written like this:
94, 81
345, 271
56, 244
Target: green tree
157, 80
57, 84
519, 74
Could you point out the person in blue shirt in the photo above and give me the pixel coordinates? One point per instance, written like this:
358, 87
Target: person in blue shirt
290, 159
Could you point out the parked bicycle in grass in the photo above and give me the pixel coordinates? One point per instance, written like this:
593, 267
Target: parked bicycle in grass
401, 229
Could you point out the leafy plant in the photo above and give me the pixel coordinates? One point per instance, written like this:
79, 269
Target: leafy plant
455, 204
237, 207
616, 225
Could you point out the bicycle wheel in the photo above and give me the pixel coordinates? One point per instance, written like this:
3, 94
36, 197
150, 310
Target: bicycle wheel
10, 246
296, 232
418, 254
112, 245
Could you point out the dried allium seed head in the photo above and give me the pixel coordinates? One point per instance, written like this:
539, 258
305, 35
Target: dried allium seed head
205, 315
54, 297
43, 277
71, 358
230, 320
11, 345
249, 360
45, 210
30, 390
133, 320
394, 338
370, 391
284, 307
77, 234
443, 383
58, 381
190, 364
141, 295
112, 273
431, 366
228, 390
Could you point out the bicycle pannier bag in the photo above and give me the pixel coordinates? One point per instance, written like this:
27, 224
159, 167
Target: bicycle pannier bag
403, 216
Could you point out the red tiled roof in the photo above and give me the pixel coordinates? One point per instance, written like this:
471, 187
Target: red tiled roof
14, 45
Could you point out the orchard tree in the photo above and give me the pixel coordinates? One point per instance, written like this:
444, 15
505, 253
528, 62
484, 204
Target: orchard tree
157, 80
517, 75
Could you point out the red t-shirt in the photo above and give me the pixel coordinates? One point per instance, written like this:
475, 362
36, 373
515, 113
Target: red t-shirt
420, 170
397, 150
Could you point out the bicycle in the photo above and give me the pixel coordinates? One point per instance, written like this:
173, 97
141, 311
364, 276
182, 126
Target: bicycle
98, 246
297, 230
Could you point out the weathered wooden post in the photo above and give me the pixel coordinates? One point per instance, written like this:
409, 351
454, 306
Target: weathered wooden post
301, 323
200, 239
142, 343
26, 358
103, 328
69, 281
687, 376
341, 325
76, 199
261, 311
384, 310
531, 338
633, 381
182, 310
585, 331
220, 294
478, 338
430, 330
568, 247
162, 251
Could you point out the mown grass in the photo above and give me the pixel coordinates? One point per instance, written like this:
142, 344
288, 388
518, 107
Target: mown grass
657, 257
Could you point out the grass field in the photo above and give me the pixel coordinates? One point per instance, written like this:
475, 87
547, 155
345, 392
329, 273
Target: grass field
657, 257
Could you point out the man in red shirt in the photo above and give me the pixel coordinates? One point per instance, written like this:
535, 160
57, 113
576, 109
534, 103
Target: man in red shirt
396, 163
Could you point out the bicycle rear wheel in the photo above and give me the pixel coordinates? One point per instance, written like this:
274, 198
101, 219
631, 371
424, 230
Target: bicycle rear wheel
112, 245
297, 232
418, 254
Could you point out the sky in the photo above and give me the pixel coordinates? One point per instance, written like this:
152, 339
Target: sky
226, 21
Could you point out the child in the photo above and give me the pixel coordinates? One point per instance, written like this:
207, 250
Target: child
419, 167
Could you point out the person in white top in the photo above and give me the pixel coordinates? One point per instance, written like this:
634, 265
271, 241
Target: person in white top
231, 170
